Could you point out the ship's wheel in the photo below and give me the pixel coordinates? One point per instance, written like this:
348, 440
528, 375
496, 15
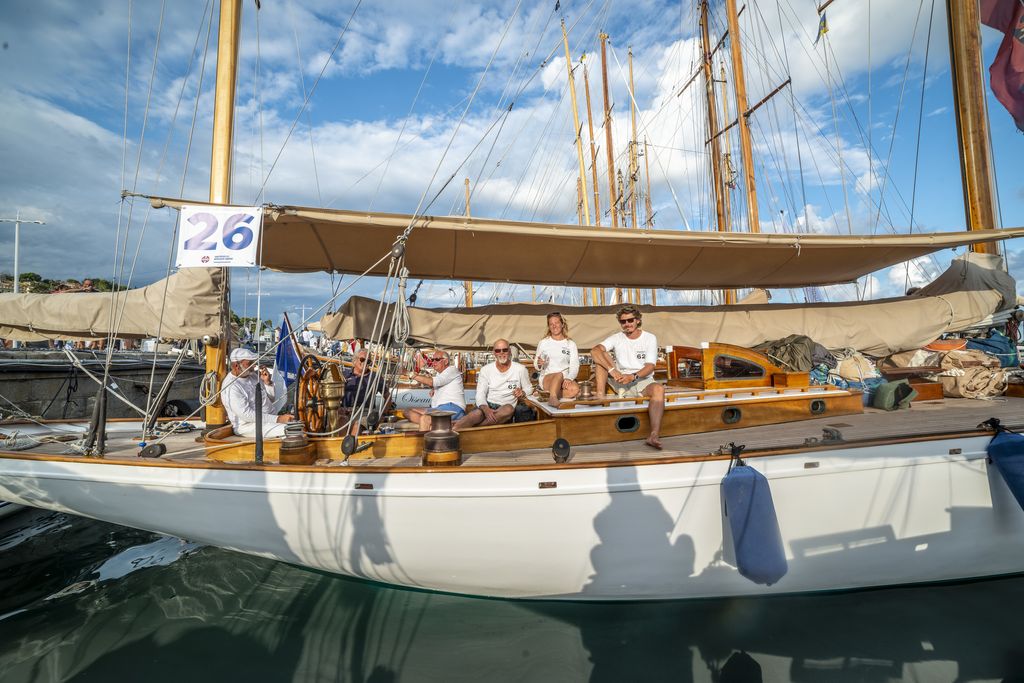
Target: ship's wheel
309, 401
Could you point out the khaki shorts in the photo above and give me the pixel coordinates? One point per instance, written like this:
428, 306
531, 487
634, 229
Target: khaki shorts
634, 389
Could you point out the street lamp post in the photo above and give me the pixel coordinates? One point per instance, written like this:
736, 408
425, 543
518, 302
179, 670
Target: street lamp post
18, 220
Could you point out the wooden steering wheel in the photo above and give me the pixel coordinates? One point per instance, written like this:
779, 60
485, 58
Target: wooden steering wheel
309, 403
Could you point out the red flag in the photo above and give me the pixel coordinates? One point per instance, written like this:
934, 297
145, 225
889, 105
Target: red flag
1007, 70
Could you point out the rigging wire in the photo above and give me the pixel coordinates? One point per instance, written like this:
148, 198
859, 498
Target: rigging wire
305, 101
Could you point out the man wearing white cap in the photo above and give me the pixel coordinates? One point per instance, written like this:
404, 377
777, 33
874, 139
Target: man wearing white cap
239, 397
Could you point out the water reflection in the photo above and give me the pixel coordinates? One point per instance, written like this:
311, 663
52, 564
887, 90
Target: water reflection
81, 600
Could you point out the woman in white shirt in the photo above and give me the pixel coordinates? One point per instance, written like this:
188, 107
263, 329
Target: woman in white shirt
558, 361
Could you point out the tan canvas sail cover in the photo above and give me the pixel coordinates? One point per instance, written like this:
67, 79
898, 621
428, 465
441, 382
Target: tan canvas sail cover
297, 239
972, 288
186, 305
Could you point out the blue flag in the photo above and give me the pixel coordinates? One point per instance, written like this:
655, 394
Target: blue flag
286, 368
286, 361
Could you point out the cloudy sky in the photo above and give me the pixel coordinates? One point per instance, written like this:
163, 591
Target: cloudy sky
377, 105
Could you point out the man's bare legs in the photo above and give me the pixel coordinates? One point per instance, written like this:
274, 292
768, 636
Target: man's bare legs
655, 394
483, 416
602, 361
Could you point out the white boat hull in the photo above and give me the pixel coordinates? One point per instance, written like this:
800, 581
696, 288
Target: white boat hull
861, 517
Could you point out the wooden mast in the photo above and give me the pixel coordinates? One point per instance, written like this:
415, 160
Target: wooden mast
726, 157
220, 171
468, 284
740, 85
634, 161
576, 124
718, 182
612, 196
582, 206
593, 165
971, 119
649, 208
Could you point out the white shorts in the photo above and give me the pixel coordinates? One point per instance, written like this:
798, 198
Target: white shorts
634, 389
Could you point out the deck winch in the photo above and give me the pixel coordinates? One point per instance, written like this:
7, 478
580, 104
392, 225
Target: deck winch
295, 446
441, 443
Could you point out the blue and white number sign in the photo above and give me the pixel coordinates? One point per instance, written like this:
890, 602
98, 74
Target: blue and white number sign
219, 236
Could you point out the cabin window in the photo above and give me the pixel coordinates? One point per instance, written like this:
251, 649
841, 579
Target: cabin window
688, 367
817, 407
731, 416
627, 423
731, 367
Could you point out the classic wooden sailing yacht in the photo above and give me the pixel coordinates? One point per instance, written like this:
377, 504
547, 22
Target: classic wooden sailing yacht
880, 499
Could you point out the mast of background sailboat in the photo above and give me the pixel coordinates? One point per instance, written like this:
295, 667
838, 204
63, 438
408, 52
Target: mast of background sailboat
584, 205
740, 87
728, 295
612, 197
593, 165
220, 170
634, 163
468, 284
971, 119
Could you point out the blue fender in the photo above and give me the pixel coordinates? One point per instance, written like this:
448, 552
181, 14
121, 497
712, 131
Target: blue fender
760, 555
1006, 450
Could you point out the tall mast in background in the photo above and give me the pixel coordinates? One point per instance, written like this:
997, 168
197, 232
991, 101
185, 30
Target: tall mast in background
593, 165
468, 284
740, 86
613, 198
718, 181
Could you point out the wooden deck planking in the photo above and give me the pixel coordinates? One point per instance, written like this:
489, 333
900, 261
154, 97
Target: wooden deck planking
921, 419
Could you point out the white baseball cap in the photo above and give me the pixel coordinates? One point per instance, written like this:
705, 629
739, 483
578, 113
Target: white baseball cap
242, 353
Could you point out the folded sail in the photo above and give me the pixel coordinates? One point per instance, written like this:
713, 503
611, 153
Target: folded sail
186, 305
971, 290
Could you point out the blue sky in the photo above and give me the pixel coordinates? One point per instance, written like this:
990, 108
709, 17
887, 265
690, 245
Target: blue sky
66, 157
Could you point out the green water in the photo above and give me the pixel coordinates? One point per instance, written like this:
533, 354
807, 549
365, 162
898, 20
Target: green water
87, 601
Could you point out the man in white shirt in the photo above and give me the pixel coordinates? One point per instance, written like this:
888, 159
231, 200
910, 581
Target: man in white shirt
238, 394
631, 374
499, 386
447, 390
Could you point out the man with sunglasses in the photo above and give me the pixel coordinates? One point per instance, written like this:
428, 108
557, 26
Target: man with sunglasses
448, 392
499, 386
631, 374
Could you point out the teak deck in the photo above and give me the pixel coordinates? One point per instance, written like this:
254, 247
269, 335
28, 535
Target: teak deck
921, 421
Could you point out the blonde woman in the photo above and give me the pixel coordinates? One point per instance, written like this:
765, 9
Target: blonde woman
558, 361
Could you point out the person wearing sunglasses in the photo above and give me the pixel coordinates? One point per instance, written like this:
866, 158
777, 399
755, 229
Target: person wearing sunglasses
447, 389
631, 374
499, 386
558, 361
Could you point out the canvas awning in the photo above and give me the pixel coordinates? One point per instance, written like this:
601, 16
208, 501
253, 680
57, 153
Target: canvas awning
971, 290
297, 239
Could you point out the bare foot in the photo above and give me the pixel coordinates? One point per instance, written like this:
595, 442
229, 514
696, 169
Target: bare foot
653, 441
554, 402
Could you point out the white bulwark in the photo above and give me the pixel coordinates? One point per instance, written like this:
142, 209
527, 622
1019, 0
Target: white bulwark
218, 236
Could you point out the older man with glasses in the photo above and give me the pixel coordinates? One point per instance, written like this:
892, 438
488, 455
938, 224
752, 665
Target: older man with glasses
631, 374
499, 386
447, 390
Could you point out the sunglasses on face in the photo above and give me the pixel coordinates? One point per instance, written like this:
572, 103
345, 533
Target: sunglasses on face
505, 350
436, 360
626, 321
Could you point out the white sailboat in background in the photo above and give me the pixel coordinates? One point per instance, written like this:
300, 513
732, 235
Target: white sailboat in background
884, 499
